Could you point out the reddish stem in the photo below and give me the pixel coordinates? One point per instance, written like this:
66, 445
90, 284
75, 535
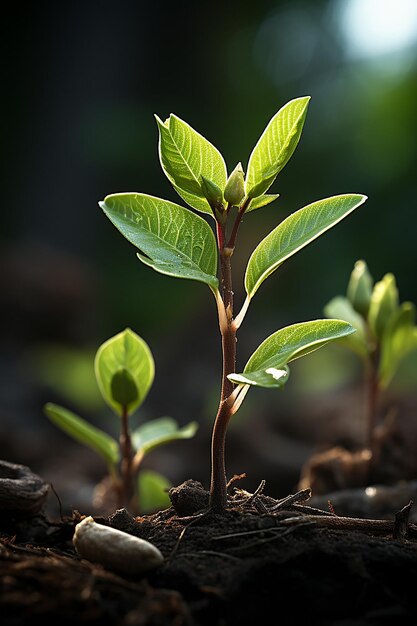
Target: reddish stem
373, 390
218, 487
232, 241
126, 465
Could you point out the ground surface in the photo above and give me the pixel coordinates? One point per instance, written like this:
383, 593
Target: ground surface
263, 557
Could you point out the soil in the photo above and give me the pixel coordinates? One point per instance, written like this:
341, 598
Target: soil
264, 560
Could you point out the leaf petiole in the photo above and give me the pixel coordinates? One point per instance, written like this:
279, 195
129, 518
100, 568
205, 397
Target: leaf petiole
237, 322
236, 398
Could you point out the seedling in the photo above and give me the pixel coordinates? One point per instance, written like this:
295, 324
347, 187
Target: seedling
175, 241
385, 334
124, 369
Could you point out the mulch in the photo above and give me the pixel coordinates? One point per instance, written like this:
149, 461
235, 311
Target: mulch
264, 561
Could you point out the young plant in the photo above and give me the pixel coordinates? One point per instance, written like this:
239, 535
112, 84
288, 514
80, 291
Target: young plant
124, 369
175, 241
385, 333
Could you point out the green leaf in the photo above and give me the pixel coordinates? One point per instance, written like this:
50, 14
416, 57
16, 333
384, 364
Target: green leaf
153, 491
84, 433
360, 287
163, 430
123, 387
185, 157
128, 352
398, 340
275, 146
261, 201
383, 305
175, 241
266, 364
340, 308
295, 232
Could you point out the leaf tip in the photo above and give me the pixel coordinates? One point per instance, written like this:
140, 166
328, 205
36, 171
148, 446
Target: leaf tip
160, 122
346, 328
107, 203
360, 196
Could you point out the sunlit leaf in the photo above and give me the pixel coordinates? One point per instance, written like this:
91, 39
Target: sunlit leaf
84, 433
266, 365
275, 146
153, 491
341, 308
157, 432
295, 232
175, 241
261, 201
126, 352
398, 340
185, 157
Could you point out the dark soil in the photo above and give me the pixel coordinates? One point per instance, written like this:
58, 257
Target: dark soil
263, 562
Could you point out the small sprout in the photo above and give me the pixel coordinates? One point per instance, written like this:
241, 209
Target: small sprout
125, 352
235, 187
114, 549
385, 333
197, 171
124, 370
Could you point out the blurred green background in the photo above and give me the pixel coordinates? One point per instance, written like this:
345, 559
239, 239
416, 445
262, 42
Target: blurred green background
81, 82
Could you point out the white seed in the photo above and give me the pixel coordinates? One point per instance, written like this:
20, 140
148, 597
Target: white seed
115, 549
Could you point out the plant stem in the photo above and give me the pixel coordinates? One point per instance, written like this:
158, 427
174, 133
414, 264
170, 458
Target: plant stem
373, 391
218, 488
126, 465
241, 212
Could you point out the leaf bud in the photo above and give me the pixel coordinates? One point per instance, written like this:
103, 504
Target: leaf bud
360, 287
234, 191
384, 303
212, 193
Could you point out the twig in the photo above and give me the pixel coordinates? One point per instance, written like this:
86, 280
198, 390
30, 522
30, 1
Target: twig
331, 508
300, 496
401, 522
374, 526
59, 501
234, 479
257, 492
277, 535
310, 510
260, 506
245, 533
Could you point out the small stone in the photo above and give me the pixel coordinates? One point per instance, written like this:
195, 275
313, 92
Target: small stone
114, 549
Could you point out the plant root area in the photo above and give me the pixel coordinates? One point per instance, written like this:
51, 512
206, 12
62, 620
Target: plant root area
263, 561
